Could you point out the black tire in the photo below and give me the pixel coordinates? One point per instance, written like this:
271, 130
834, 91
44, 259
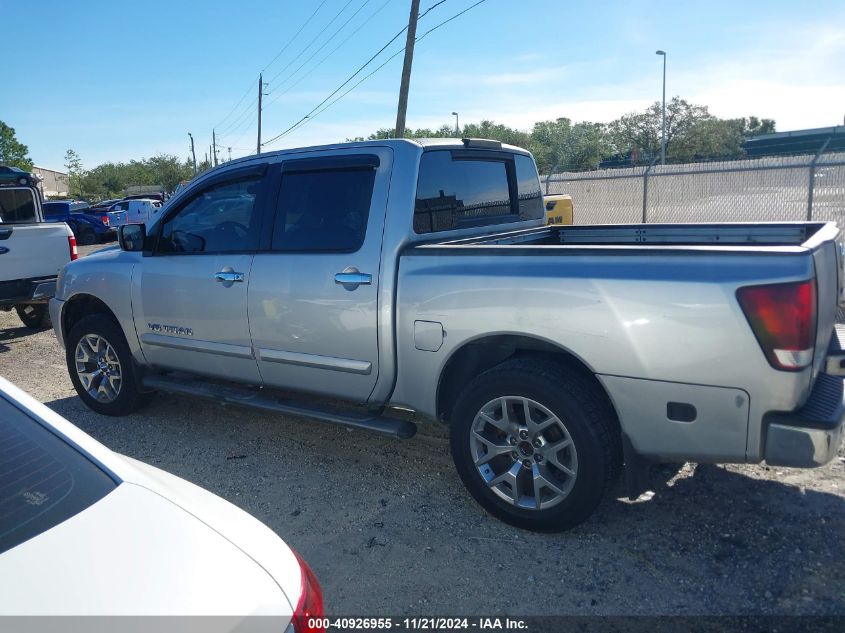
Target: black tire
34, 315
587, 417
86, 236
128, 398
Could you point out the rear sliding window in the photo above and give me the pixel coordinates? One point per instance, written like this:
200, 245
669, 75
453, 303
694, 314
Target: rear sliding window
17, 206
43, 480
458, 188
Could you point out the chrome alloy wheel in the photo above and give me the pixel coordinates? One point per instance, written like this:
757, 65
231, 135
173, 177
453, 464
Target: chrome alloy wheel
524, 452
98, 368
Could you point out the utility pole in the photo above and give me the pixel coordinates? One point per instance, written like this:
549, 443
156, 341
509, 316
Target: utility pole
406, 69
260, 94
193, 153
214, 145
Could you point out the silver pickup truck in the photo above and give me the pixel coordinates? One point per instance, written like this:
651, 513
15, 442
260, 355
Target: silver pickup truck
396, 275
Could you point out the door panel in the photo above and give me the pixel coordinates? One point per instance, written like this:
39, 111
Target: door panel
313, 302
190, 296
188, 320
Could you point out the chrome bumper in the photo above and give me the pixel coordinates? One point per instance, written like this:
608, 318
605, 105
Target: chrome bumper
811, 435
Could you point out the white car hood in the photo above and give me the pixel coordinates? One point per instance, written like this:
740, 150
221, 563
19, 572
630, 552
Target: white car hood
135, 553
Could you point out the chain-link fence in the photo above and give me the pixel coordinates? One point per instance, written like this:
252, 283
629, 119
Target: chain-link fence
752, 190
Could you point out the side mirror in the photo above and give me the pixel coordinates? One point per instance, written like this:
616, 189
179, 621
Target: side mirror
131, 237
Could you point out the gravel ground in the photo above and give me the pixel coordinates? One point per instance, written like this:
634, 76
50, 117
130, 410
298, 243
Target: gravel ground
389, 529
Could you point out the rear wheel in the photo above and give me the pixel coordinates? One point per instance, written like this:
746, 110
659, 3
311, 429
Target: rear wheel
535, 445
101, 367
86, 236
33, 315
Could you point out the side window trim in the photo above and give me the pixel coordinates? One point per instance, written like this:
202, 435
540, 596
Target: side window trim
261, 198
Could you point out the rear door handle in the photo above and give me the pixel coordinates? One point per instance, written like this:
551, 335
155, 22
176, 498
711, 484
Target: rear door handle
228, 276
351, 278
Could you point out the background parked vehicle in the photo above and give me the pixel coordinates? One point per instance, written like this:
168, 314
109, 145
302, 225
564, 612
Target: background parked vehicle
31, 254
88, 532
559, 209
556, 354
16, 176
137, 211
88, 226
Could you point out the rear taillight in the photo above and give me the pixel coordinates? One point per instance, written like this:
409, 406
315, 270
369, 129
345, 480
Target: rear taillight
106, 220
783, 318
309, 612
71, 244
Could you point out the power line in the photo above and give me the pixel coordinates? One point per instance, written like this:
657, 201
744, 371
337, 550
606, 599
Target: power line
314, 39
323, 45
333, 51
353, 75
283, 49
291, 40
317, 110
236, 106
237, 123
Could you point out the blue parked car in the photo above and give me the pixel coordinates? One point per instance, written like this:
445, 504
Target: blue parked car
89, 225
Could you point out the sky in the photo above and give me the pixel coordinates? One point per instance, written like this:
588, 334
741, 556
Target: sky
118, 81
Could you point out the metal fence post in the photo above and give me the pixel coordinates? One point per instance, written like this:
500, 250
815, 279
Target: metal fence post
813, 178
645, 190
549, 177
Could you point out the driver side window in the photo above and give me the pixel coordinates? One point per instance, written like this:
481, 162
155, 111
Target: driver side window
220, 219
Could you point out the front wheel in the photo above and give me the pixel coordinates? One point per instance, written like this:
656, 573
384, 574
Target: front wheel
33, 315
101, 367
537, 446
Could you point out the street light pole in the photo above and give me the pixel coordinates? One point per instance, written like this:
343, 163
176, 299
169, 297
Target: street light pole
457, 125
193, 153
663, 125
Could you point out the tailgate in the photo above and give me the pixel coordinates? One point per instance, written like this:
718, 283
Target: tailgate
30, 251
827, 259
117, 218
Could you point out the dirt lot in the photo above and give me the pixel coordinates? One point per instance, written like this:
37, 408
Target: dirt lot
389, 529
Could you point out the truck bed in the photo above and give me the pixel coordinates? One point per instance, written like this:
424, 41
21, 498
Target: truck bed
785, 234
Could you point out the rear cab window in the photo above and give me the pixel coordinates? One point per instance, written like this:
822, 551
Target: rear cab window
43, 480
17, 206
463, 188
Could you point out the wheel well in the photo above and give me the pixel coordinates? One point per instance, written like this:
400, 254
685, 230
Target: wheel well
81, 306
480, 355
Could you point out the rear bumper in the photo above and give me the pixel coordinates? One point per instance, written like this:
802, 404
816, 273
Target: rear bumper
811, 435
27, 291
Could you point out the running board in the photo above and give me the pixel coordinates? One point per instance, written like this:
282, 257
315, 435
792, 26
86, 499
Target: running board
401, 429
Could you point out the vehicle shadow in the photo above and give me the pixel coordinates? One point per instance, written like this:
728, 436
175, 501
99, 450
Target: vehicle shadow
734, 539
13, 335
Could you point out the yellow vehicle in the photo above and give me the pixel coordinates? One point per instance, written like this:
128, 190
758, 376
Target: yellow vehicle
558, 208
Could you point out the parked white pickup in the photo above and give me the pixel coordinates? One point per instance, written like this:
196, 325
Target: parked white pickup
31, 254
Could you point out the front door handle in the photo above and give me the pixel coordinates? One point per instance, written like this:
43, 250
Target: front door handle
351, 278
228, 276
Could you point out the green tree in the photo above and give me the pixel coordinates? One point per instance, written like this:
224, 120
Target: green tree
13, 153
642, 131
75, 173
